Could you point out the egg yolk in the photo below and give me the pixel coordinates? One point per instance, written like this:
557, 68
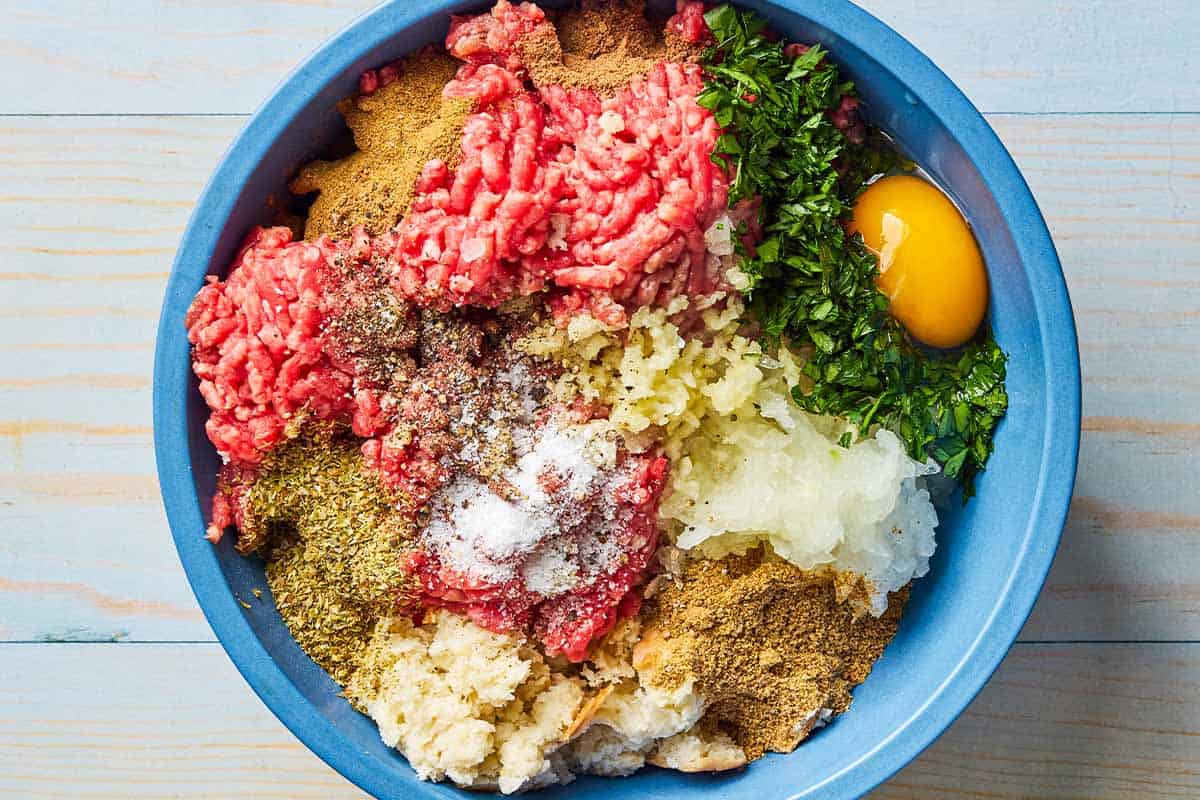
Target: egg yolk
930, 267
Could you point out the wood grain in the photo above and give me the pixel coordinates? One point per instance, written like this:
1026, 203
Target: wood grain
1122, 197
75, 362
1061, 721
1071, 721
145, 56
83, 710
90, 213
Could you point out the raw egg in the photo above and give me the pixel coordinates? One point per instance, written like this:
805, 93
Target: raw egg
930, 266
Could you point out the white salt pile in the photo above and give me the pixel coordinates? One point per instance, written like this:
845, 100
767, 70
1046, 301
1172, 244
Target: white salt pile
546, 520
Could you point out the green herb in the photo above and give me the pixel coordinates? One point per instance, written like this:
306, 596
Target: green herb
813, 284
334, 542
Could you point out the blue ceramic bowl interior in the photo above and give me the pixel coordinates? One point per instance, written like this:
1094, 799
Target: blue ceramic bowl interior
993, 554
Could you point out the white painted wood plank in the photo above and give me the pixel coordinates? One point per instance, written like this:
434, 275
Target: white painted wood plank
87, 554
1062, 721
221, 56
145, 56
1071, 722
77, 721
1037, 56
1122, 197
90, 214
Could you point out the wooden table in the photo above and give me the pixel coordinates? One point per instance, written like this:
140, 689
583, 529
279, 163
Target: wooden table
115, 111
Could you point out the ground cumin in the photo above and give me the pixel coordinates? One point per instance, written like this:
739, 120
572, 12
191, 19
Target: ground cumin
768, 645
397, 129
600, 47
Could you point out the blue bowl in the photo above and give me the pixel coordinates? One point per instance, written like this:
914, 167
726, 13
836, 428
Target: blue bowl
993, 554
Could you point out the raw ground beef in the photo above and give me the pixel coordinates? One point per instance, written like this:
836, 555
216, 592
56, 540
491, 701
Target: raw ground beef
428, 429
257, 343
604, 201
228, 501
268, 348
689, 23
492, 38
566, 623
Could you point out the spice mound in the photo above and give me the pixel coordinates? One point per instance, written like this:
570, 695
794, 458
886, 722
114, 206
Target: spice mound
770, 647
333, 541
399, 124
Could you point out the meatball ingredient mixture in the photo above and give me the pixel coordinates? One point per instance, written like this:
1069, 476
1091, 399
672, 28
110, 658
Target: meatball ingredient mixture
577, 432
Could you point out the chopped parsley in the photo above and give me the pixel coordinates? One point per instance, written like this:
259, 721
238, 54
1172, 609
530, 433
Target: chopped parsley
814, 285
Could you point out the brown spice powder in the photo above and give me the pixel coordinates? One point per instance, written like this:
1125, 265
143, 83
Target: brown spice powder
372, 328
768, 645
397, 129
601, 48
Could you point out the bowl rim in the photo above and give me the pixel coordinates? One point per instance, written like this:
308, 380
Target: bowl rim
859, 29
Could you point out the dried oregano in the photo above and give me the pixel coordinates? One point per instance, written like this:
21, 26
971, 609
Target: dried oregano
334, 541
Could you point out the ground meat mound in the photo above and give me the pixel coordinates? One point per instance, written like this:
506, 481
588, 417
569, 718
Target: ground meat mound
257, 344
565, 623
492, 38
688, 23
415, 438
568, 624
604, 201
